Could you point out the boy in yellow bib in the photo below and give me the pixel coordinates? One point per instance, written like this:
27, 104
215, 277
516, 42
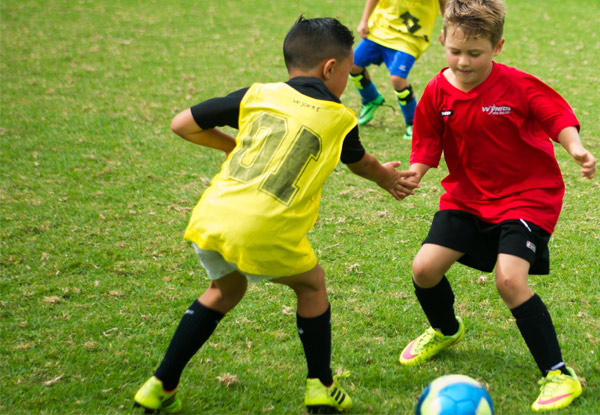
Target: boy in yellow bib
251, 223
394, 32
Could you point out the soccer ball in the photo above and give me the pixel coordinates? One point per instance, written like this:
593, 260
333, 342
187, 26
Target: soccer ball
455, 395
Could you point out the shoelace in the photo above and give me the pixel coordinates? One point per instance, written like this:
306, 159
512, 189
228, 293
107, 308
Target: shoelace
550, 384
345, 374
426, 339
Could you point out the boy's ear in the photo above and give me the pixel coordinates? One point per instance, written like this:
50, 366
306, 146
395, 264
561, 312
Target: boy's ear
498, 47
328, 67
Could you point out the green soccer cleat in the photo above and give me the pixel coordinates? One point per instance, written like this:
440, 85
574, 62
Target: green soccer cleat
408, 133
153, 398
368, 109
557, 391
320, 399
429, 344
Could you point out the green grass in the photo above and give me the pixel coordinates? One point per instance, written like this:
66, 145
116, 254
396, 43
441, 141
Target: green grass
96, 192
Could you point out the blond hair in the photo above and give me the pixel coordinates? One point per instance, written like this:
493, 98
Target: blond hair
476, 18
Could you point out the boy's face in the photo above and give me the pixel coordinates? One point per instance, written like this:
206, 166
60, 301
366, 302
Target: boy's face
469, 59
338, 75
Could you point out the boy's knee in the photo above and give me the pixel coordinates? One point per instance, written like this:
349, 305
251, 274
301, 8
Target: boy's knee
357, 70
405, 95
223, 298
423, 274
513, 289
505, 284
399, 83
360, 78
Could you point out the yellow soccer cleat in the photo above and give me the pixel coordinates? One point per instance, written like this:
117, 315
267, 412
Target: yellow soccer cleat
153, 398
557, 391
320, 399
429, 344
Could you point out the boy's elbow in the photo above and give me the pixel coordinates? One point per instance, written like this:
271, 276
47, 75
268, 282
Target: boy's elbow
184, 124
177, 125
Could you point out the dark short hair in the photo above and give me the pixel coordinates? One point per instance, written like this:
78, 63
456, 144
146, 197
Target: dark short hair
310, 41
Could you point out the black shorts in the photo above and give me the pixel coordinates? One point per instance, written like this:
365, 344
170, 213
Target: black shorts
481, 241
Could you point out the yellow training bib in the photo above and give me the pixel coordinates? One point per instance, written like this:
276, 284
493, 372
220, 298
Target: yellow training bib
260, 206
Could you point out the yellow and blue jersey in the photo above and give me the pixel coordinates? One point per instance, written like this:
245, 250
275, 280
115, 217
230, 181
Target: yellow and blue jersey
405, 25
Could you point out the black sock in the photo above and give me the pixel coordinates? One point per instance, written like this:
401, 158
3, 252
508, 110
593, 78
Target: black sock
195, 327
315, 334
438, 304
537, 329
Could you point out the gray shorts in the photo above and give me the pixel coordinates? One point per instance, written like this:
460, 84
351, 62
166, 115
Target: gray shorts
216, 266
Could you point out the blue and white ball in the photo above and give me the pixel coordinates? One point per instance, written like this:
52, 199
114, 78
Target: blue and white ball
455, 395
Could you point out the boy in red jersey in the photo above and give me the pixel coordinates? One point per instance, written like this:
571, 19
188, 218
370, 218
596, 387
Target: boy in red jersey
504, 189
251, 222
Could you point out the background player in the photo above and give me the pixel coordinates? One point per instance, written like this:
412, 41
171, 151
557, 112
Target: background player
504, 188
395, 32
251, 223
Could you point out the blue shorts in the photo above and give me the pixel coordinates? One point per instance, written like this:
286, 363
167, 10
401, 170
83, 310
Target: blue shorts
368, 52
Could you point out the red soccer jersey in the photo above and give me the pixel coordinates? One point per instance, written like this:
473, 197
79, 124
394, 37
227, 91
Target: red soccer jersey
495, 140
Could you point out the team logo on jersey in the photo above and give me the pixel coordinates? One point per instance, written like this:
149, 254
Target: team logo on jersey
446, 113
496, 110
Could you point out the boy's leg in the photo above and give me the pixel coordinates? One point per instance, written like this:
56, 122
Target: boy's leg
365, 54
436, 298
408, 102
362, 80
433, 289
560, 385
399, 64
313, 320
370, 96
532, 316
197, 325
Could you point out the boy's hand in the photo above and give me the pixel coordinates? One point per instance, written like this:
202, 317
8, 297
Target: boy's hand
586, 160
398, 183
569, 139
363, 29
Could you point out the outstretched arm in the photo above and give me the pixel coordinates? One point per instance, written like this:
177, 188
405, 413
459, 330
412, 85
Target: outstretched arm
569, 139
386, 176
185, 126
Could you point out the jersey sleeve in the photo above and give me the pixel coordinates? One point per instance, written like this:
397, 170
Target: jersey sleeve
219, 112
352, 149
428, 130
548, 107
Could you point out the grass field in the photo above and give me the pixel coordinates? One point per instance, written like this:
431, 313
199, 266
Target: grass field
95, 193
